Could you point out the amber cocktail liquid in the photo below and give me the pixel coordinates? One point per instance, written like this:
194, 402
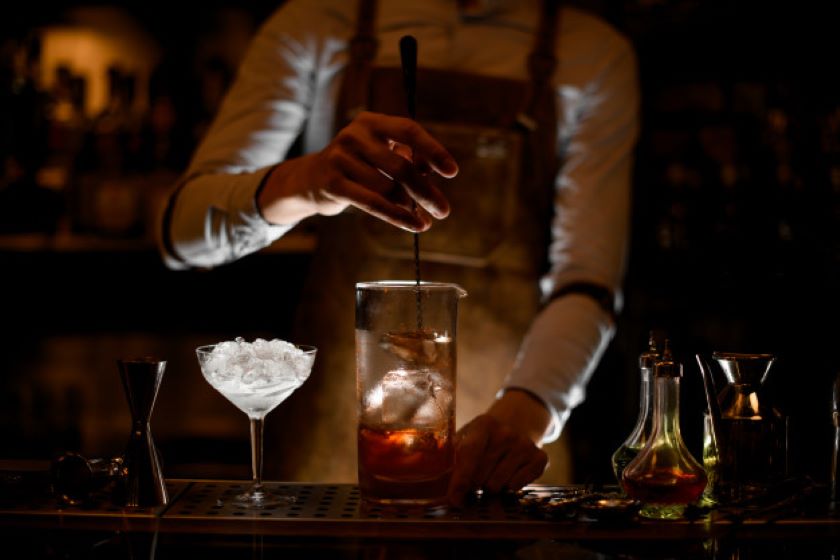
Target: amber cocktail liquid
405, 380
667, 486
398, 465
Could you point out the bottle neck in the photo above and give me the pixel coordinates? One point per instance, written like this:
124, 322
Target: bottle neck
645, 401
644, 422
666, 407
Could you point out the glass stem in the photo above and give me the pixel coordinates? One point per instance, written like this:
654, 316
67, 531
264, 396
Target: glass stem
256, 451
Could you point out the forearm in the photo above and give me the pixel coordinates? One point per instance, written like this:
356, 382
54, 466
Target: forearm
523, 412
220, 217
559, 354
286, 196
214, 219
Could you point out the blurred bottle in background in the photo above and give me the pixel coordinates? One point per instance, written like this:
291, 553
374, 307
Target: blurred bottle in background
35, 146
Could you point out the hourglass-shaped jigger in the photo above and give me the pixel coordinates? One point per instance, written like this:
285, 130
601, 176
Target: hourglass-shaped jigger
144, 483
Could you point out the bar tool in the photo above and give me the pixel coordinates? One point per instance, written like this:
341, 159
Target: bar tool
834, 497
405, 382
75, 479
610, 508
408, 62
144, 485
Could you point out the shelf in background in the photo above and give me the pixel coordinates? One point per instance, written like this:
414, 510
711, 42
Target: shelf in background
293, 242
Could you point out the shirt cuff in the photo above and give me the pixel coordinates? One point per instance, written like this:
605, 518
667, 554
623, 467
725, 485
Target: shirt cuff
216, 219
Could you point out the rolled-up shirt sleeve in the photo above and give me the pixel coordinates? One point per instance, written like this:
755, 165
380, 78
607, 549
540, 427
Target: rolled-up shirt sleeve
212, 216
598, 129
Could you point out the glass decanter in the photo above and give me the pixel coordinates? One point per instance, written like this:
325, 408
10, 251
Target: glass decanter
748, 452
637, 439
664, 476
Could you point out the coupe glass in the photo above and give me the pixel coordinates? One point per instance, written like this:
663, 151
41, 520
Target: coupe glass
256, 377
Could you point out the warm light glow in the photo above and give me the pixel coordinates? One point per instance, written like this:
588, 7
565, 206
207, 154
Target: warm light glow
754, 405
90, 47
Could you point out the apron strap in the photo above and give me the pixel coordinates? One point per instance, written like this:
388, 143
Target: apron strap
537, 120
352, 97
542, 63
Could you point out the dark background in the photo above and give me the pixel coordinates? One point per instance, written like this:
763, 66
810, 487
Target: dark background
735, 242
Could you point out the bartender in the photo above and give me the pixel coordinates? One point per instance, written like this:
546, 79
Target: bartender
519, 171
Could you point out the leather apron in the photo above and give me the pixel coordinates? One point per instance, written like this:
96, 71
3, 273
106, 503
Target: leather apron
493, 244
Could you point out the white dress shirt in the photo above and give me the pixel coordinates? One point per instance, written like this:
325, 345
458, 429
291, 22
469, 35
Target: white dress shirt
288, 84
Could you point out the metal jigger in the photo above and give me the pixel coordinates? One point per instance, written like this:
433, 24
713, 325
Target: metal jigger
144, 483
834, 489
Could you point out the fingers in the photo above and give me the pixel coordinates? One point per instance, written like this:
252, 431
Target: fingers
408, 132
494, 455
348, 180
362, 174
494, 458
397, 169
414, 146
529, 472
375, 204
471, 443
420, 186
385, 166
524, 463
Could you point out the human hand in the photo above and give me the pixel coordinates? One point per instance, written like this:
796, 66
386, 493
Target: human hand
498, 451
378, 163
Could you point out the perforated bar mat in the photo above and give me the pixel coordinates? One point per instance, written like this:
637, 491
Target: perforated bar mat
337, 502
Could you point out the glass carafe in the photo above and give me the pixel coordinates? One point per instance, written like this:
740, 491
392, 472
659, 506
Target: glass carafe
750, 450
664, 476
405, 380
634, 443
